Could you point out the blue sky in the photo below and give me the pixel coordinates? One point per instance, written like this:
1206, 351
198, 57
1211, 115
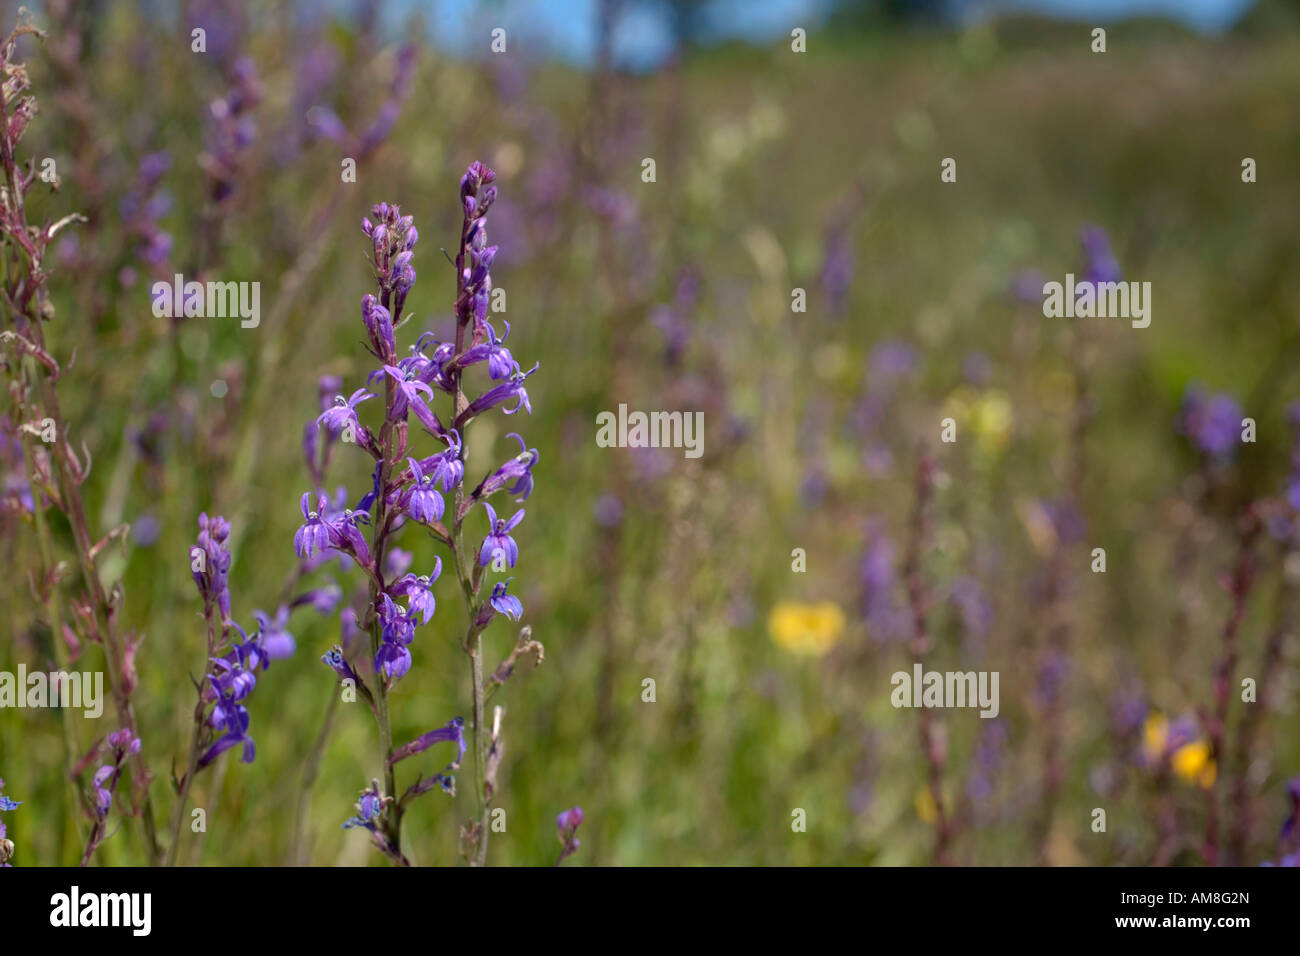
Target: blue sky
568, 27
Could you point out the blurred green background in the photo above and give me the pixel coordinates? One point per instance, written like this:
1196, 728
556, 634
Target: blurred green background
775, 170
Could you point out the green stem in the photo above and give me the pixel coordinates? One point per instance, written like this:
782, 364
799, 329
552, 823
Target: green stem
196, 734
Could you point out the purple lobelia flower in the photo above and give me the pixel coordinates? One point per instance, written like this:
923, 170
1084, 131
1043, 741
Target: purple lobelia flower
335, 661
517, 473
453, 732
348, 536
315, 535
417, 591
500, 363
498, 540
504, 603
392, 661
409, 390
422, 501
510, 390
369, 807
344, 413
446, 468
393, 658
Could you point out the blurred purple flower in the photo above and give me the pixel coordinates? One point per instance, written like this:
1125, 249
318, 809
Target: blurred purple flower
1100, 262
1211, 422
276, 639
892, 361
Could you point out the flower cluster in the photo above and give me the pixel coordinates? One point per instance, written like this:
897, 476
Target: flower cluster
121, 745
419, 488
210, 563
231, 679
231, 129
234, 664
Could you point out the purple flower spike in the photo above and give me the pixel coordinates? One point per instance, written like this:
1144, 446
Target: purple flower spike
212, 574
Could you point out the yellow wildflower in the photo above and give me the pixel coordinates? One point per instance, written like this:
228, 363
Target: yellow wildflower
991, 421
1189, 761
925, 806
806, 628
1192, 762
1154, 734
